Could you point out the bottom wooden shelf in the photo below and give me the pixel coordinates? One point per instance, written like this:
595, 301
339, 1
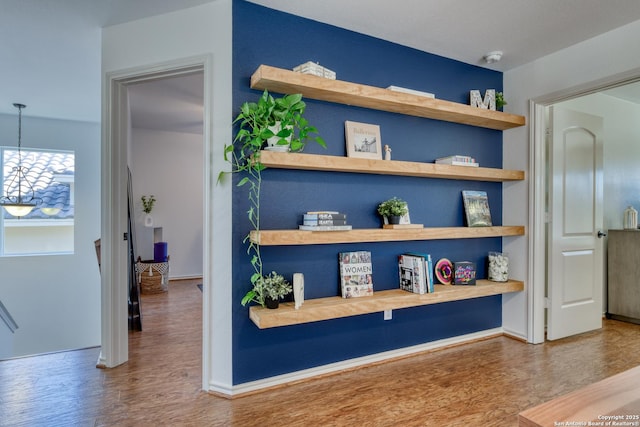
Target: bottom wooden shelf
335, 307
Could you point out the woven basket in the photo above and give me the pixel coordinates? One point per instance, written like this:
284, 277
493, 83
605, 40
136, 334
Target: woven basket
153, 276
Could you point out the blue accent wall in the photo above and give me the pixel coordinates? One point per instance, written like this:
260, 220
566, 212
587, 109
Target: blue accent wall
265, 36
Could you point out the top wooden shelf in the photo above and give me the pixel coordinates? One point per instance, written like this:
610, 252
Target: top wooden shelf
319, 162
314, 87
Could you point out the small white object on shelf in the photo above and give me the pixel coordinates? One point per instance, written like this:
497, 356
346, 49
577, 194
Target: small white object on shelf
411, 91
630, 218
298, 289
387, 152
457, 160
315, 69
498, 267
488, 103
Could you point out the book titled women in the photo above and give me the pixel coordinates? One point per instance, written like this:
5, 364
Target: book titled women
356, 274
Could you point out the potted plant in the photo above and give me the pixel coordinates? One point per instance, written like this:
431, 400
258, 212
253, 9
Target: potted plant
278, 121
500, 102
147, 206
268, 290
256, 122
393, 209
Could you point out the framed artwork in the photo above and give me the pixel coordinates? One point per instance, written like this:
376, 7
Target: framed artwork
363, 140
476, 206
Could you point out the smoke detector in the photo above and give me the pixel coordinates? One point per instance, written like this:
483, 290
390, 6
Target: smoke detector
492, 57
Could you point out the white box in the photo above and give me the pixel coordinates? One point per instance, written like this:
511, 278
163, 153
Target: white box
315, 69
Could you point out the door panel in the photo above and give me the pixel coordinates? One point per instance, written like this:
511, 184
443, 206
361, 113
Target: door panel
575, 253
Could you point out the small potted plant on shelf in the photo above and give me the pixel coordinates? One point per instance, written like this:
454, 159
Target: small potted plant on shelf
393, 209
147, 206
268, 290
280, 120
500, 102
277, 121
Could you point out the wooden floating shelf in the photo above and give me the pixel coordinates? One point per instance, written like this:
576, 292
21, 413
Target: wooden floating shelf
317, 162
310, 86
336, 307
303, 237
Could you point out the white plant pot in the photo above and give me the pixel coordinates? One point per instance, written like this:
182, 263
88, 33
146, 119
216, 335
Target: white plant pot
148, 220
272, 143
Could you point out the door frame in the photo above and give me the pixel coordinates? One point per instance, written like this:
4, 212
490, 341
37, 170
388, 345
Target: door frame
536, 303
216, 348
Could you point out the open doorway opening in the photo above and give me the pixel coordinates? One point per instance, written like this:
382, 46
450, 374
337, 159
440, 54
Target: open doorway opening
618, 103
175, 102
165, 152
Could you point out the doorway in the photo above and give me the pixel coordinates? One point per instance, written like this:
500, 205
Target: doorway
617, 101
116, 156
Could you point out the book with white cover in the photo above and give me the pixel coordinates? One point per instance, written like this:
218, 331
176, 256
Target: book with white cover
411, 91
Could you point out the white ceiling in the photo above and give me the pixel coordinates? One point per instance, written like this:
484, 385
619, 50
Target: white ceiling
467, 29
172, 104
35, 34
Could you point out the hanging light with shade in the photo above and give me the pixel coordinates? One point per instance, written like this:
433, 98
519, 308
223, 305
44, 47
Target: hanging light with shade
19, 197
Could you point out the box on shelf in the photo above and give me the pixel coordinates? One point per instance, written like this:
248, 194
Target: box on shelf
464, 273
315, 69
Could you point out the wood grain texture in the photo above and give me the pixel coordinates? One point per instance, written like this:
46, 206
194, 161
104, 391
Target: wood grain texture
303, 237
617, 396
318, 309
318, 162
486, 383
285, 81
623, 287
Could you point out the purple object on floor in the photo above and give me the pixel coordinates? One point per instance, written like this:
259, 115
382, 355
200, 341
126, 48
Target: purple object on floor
160, 252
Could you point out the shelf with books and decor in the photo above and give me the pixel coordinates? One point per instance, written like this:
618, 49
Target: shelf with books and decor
342, 92
303, 237
318, 162
353, 94
315, 310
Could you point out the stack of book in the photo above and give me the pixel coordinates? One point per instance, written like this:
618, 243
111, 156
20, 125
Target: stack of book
416, 273
324, 221
457, 160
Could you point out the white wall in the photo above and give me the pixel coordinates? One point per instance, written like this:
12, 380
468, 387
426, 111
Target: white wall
55, 299
203, 31
169, 166
583, 65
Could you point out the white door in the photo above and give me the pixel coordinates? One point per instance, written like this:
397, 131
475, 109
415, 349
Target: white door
575, 257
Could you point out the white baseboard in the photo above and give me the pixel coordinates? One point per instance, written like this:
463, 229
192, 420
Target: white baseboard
279, 380
514, 334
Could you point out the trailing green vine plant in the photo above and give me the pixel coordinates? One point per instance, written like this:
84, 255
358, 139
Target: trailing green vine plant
256, 122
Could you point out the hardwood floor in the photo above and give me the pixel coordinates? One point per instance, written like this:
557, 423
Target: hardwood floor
486, 383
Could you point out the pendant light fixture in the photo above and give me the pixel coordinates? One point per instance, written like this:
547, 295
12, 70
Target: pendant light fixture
19, 197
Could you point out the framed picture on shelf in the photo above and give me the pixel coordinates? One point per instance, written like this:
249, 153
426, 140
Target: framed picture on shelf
363, 140
476, 207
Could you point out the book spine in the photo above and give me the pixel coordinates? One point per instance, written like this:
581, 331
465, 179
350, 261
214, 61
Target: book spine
324, 227
324, 216
419, 284
430, 282
324, 222
413, 273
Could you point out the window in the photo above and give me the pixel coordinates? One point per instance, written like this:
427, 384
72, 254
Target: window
49, 228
